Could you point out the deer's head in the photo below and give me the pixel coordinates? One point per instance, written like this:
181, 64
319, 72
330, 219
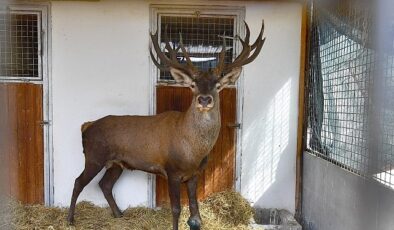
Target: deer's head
205, 85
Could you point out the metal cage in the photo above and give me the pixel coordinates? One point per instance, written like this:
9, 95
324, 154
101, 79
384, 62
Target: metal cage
350, 110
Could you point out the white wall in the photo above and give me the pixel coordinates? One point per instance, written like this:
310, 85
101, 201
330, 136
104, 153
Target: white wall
270, 111
100, 67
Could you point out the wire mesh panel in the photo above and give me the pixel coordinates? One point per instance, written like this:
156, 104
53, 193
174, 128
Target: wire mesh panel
385, 147
350, 92
19, 45
201, 38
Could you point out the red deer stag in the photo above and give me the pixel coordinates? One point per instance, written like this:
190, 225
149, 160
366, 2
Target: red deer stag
174, 145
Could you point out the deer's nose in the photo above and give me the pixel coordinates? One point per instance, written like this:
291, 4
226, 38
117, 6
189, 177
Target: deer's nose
204, 100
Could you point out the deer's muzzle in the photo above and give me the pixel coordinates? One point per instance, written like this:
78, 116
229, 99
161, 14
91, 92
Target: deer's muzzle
205, 101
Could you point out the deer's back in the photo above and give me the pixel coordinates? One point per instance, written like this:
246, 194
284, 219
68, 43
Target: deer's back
133, 140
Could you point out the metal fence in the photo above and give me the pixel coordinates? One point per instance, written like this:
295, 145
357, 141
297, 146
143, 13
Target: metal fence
350, 90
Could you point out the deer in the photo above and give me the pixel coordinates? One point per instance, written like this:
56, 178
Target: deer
174, 145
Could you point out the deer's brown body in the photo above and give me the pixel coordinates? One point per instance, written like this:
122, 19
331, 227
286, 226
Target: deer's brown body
174, 145
172, 141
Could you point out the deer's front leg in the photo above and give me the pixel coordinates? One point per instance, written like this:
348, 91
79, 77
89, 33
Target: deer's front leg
194, 221
174, 185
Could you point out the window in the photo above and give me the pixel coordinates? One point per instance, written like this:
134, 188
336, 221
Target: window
202, 29
200, 38
20, 45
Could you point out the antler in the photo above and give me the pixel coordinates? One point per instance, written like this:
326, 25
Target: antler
220, 66
167, 62
244, 57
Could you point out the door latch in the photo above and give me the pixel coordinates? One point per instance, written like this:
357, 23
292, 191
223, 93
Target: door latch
45, 122
234, 125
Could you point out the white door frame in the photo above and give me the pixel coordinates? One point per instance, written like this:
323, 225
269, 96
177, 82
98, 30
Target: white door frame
43, 10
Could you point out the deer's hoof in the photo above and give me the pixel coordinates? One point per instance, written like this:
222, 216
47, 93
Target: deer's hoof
194, 224
70, 221
118, 214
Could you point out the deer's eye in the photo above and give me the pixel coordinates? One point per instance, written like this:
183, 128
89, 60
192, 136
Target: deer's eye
218, 85
193, 85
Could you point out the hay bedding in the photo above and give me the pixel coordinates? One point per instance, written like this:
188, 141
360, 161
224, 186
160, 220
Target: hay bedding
224, 210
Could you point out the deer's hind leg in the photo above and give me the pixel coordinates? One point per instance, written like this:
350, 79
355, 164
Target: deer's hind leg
90, 171
107, 183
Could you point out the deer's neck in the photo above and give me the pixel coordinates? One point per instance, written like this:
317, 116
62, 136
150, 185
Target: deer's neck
202, 128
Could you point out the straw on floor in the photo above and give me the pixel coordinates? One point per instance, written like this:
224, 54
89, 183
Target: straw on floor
224, 210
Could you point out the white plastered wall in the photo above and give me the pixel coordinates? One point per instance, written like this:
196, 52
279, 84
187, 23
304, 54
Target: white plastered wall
270, 111
100, 66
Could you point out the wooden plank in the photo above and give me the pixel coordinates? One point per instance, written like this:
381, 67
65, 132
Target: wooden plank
4, 139
30, 155
219, 174
39, 147
301, 109
230, 117
13, 140
21, 144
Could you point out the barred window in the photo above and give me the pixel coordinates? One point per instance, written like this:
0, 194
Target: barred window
20, 45
201, 38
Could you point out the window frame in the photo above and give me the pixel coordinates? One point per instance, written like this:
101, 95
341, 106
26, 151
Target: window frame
157, 11
42, 41
162, 81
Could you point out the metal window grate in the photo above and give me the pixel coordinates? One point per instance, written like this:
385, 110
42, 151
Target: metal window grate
19, 45
200, 38
350, 92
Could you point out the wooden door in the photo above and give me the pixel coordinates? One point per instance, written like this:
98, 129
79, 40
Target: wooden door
22, 142
219, 173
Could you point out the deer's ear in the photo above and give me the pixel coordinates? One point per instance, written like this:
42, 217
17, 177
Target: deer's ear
229, 78
181, 77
